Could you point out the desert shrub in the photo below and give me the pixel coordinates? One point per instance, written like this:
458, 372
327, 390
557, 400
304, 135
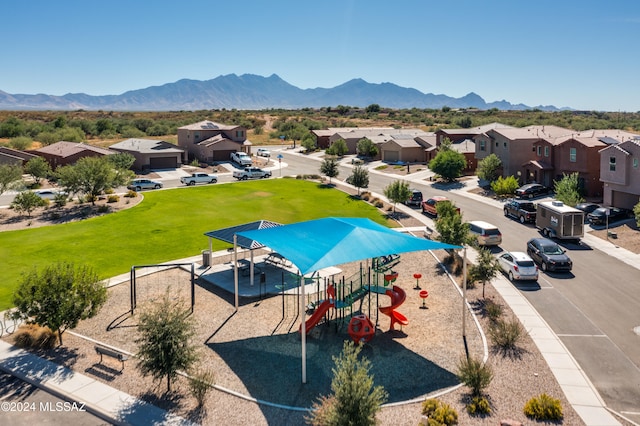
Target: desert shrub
195, 163
506, 334
200, 384
109, 191
34, 336
60, 200
439, 413
493, 310
474, 374
131, 194
478, 405
103, 209
389, 208
113, 199
543, 407
378, 203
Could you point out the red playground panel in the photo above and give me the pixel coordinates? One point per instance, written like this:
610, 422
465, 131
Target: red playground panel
361, 329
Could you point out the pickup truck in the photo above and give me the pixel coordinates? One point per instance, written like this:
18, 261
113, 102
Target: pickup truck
241, 158
251, 173
430, 206
198, 178
524, 211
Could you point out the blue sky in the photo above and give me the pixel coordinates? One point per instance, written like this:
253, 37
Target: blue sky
580, 54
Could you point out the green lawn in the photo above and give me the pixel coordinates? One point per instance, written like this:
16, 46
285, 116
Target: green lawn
169, 225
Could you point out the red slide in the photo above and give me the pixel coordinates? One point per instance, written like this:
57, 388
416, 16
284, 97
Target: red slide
320, 310
398, 296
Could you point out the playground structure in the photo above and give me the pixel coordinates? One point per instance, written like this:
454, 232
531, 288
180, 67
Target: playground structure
339, 300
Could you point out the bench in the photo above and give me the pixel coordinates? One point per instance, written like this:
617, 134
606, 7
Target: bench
101, 350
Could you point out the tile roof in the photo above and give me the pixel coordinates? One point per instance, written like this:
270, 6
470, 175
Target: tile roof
66, 149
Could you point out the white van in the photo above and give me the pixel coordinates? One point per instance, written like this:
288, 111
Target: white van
487, 234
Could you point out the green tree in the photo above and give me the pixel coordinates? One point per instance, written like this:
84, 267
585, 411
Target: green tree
397, 192
373, 108
354, 400
359, 178
329, 168
474, 374
338, 148
366, 148
449, 164
10, 177
165, 343
60, 296
485, 269
489, 167
122, 163
89, 175
450, 226
39, 168
505, 186
27, 201
567, 189
309, 142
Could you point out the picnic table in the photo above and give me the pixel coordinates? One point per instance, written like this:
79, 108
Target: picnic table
276, 259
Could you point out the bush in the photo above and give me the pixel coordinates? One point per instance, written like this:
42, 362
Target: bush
506, 333
493, 310
35, 337
200, 385
439, 413
131, 194
543, 407
379, 204
504, 187
113, 199
474, 374
479, 405
104, 209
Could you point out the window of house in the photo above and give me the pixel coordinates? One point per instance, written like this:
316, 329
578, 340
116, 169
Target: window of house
496, 144
539, 149
239, 133
572, 155
635, 163
612, 164
546, 151
482, 145
504, 144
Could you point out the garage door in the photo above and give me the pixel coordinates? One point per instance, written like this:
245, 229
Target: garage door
222, 155
624, 200
390, 156
163, 162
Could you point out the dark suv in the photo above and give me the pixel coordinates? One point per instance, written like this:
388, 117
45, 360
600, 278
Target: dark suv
415, 199
599, 215
524, 211
549, 255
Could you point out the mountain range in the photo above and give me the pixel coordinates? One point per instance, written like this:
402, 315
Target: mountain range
253, 92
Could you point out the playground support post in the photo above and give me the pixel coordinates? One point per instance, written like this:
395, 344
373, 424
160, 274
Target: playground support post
464, 298
235, 270
303, 329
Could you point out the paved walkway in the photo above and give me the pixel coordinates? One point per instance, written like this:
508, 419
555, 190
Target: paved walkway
121, 408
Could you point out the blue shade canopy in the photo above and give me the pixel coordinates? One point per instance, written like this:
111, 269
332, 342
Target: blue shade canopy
321, 243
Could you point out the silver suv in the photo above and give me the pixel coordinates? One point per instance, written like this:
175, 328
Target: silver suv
140, 184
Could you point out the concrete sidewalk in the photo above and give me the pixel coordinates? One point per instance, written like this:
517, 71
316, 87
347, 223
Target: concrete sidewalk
108, 403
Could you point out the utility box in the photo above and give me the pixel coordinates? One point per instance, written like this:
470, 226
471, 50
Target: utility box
557, 220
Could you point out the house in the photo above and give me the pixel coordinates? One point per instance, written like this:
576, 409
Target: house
324, 137
14, 156
620, 173
64, 153
151, 154
467, 148
210, 142
459, 135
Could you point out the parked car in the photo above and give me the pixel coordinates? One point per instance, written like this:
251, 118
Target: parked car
415, 199
263, 152
140, 184
486, 233
532, 190
430, 206
587, 207
524, 211
548, 254
599, 215
518, 266
48, 194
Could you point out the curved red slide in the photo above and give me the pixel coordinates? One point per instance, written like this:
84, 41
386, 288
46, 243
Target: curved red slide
320, 310
398, 296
